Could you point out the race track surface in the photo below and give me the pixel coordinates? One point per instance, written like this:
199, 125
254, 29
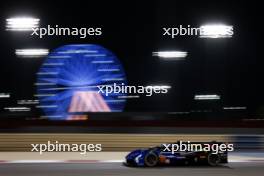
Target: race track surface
117, 169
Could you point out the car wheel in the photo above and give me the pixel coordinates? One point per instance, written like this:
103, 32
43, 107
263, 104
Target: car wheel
151, 159
213, 159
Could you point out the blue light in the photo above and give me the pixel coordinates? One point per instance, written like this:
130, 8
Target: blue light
78, 68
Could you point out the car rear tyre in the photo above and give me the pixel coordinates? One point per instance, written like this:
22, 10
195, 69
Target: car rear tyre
213, 159
151, 159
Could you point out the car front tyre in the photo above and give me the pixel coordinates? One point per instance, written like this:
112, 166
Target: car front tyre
151, 159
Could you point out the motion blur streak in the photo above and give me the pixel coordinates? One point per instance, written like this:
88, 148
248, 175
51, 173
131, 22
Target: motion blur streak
17, 109
206, 97
77, 117
234, 108
129, 96
168, 55
29, 53
158, 87
21, 23
27, 102
216, 31
44, 95
110, 142
4, 95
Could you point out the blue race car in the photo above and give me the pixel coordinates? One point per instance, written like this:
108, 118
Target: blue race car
162, 155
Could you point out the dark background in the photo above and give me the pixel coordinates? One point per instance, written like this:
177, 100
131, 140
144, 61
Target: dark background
232, 68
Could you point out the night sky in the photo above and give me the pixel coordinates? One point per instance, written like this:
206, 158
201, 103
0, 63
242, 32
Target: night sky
132, 30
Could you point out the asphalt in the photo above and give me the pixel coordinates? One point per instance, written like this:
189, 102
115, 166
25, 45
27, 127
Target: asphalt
117, 169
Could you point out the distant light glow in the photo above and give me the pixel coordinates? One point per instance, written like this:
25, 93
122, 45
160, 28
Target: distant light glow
184, 112
4, 95
216, 31
17, 109
234, 108
102, 62
113, 79
54, 116
158, 87
128, 96
77, 117
48, 106
44, 95
200, 111
20, 102
78, 51
53, 64
44, 84
21, 23
206, 97
108, 70
47, 73
170, 55
29, 53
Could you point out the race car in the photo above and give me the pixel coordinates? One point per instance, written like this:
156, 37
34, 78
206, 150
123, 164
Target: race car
163, 155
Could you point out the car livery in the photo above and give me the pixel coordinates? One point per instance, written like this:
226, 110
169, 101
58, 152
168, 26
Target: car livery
158, 156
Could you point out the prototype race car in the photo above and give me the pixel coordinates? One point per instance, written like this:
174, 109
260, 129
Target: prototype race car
163, 155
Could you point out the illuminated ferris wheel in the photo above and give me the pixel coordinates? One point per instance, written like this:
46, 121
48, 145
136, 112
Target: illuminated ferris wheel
67, 81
